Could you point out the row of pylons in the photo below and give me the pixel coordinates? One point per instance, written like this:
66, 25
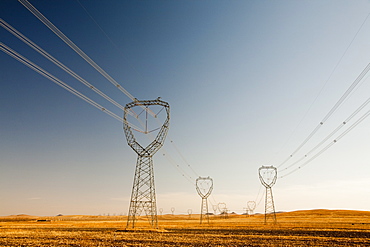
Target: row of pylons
143, 196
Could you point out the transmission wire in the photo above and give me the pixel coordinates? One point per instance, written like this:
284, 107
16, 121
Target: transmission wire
361, 107
109, 39
363, 117
354, 84
264, 192
54, 79
66, 40
41, 51
340, 101
174, 164
259, 190
183, 158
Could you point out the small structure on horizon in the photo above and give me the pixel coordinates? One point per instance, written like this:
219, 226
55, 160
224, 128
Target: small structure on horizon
251, 206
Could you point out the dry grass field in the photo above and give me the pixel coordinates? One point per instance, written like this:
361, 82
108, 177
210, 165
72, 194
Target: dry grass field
299, 228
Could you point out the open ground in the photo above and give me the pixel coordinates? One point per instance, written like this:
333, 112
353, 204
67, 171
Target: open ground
299, 228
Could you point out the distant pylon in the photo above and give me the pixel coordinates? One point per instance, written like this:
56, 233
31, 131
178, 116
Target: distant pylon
204, 187
143, 196
190, 212
268, 176
215, 207
251, 206
223, 209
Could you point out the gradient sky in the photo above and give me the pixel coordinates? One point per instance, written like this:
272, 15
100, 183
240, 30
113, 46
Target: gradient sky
241, 78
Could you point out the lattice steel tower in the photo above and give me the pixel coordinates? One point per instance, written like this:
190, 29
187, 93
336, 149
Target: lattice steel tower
143, 191
223, 209
204, 187
268, 176
251, 205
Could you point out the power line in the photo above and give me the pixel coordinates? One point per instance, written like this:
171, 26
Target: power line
41, 51
341, 125
361, 107
54, 79
110, 39
63, 37
66, 40
259, 190
178, 168
333, 109
97, 24
259, 202
339, 102
183, 158
362, 118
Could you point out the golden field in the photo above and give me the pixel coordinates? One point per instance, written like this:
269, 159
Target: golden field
299, 228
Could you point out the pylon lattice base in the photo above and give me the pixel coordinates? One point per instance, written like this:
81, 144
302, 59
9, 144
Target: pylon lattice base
269, 207
204, 211
143, 193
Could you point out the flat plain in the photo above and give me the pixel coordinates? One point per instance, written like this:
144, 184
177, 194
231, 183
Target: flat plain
298, 228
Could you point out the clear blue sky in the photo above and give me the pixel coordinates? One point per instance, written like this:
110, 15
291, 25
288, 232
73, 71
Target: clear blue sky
241, 78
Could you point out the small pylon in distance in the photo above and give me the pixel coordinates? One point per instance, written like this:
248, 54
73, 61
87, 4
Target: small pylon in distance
190, 211
251, 205
215, 207
223, 209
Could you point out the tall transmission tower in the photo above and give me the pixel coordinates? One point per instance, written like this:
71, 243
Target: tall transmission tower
204, 187
143, 196
268, 176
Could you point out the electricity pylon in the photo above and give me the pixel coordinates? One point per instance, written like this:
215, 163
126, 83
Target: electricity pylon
143, 196
268, 176
215, 207
251, 206
204, 187
223, 209
190, 211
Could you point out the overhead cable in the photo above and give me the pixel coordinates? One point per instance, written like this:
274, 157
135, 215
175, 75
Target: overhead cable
362, 118
54, 79
41, 51
66, 40
183, 158
332, 110
124, 56
259, 190
341, 125
361, 107
340, 101
178, 168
